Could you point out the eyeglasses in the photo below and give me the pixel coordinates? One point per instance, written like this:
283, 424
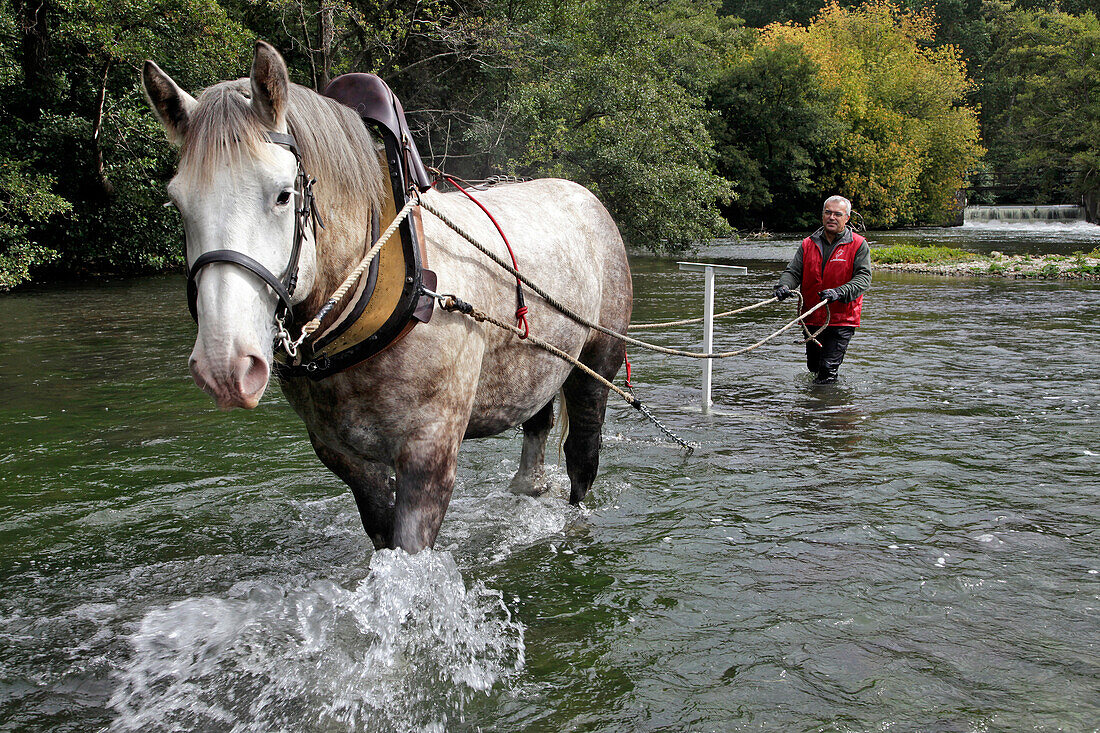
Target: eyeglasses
834, 214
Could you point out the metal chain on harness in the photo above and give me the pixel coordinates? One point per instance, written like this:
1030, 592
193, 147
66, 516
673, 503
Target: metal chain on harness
689, 447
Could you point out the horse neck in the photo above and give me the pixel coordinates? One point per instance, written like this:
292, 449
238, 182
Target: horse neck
341, 244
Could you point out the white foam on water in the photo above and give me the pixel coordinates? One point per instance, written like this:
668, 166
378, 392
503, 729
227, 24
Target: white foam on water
404, 650
1038, 225
493, 524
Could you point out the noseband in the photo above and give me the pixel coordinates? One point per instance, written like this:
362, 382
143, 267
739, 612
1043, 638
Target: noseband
284, 284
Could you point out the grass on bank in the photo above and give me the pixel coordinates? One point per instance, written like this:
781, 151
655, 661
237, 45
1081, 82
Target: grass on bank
1079, 264
899, 254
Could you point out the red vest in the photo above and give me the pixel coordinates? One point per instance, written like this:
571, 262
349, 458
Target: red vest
837, 271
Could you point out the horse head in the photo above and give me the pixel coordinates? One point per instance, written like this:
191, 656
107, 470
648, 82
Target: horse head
243, 193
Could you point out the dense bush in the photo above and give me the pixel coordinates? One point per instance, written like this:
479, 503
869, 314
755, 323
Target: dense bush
82, 163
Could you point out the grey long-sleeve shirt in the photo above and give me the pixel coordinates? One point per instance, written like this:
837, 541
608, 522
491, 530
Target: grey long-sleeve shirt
861, 265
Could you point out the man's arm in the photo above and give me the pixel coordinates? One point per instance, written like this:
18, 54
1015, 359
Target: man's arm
861, 275
792, 276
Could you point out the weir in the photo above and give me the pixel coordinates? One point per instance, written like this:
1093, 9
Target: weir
1024, 213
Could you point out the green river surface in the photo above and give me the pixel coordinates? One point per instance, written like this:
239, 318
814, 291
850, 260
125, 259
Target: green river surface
914, 549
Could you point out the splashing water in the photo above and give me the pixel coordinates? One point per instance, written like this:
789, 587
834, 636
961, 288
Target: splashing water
405, 650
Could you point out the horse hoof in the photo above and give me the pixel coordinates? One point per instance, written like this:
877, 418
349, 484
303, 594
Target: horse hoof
530, 484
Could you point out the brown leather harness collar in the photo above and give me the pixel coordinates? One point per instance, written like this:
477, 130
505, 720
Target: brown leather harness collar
330, 352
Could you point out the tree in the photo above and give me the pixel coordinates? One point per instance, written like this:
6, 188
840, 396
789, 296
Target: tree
1042, 106
903, 139
83, 161
773, 133
610, 93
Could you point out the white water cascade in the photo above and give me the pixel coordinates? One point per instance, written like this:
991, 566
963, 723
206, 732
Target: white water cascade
1020, 214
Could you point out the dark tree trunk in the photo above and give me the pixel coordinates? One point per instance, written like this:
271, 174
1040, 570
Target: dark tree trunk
105, 186
33, 16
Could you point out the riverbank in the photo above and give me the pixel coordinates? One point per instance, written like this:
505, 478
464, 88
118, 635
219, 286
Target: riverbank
955, 262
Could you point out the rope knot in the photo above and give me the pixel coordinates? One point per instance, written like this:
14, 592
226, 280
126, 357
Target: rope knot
521, 319
454, 303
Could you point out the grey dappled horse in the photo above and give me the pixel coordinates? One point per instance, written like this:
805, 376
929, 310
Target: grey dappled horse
408, 408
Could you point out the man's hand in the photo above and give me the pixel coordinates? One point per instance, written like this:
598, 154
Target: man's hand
782, 292
829, 295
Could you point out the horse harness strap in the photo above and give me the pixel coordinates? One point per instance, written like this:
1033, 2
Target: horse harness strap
283, 285
389, 299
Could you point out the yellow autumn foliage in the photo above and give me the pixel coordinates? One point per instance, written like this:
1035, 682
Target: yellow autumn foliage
906, 136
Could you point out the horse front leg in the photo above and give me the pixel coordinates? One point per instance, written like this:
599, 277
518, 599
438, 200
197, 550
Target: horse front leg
425, 469
371, 485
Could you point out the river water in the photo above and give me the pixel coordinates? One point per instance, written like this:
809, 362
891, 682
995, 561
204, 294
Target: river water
914, 549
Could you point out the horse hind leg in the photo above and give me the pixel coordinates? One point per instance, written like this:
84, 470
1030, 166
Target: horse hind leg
586, 402
530, 478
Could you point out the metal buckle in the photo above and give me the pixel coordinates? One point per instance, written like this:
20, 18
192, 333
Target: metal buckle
290, 345
316, 364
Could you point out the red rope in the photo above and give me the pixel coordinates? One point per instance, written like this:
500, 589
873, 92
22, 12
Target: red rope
626, 358
521, 309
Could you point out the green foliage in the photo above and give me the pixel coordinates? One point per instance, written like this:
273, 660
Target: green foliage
1081, 264
667, 110
1050, 270
897, 140
773, 130
25, 199
81, 159
609, 93
906, 253
1042, 109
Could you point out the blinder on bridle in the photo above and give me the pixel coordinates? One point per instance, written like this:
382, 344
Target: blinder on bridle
284, 284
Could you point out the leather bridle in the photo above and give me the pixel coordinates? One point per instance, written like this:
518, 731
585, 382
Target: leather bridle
305, 216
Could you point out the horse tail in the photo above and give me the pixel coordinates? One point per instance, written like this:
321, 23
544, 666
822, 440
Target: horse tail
563, 421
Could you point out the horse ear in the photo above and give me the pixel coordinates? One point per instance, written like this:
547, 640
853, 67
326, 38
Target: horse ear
172, 105
270, 86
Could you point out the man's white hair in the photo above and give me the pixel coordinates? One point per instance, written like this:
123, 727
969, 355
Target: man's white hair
838, 200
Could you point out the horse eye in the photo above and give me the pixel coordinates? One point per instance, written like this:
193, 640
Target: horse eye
283, 198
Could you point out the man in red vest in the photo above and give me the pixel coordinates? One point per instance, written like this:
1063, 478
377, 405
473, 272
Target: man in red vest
832, 264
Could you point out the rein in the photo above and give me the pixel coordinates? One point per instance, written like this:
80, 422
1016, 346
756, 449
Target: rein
576, 317
521, 307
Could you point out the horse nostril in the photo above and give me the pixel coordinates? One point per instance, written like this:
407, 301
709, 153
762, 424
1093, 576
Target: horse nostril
252, 375
198, 373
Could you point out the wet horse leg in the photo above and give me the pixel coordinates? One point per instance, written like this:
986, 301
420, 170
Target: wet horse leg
425, 471
373, 489
586, 403
529, 479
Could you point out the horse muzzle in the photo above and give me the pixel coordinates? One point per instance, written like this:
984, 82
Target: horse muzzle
239, 381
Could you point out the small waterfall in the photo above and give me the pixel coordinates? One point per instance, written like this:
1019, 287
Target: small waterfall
1021, 214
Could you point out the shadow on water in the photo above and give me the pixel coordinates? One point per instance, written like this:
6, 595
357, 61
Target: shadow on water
826, 415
